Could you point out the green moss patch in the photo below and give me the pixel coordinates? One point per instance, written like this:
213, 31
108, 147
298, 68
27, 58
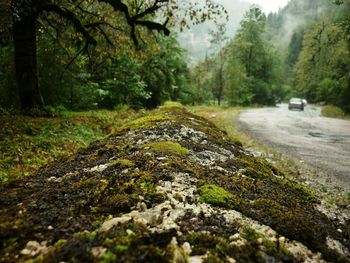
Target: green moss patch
166, 147
145, 122
218, 196
124, 163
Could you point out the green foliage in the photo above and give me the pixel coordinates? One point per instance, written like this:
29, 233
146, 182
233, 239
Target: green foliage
332, 112
27, 143
315, 50
110, 74
250, 69
108, 257
202, 78
122, 84
323, 65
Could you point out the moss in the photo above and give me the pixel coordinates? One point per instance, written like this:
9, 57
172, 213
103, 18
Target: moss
166, 147
145, 122
121, 248
123, 163
108, 257
60, 242
218, 196
170, 104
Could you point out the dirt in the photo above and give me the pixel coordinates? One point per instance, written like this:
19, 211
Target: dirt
168, 187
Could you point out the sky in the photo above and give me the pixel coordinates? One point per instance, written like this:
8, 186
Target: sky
269, 5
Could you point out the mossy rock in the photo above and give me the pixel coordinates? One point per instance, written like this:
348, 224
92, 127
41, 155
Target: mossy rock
75, 198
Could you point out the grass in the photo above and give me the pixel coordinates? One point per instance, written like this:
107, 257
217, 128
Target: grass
225, 119
27, 143
331, 111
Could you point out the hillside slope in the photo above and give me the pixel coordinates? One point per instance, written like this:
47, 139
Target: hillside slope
168, 187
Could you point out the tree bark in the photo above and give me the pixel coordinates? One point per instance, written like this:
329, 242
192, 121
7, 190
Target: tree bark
24, 37
220, 83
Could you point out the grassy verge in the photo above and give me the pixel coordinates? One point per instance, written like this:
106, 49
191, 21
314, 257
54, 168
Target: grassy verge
27, 143
224, 119
334, 112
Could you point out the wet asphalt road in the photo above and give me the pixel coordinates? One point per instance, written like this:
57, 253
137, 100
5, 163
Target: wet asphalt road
321, 143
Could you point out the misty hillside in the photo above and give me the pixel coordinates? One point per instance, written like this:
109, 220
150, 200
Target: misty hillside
297, 15
196, 40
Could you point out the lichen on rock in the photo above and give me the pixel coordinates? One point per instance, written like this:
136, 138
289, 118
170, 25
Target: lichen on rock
168, 187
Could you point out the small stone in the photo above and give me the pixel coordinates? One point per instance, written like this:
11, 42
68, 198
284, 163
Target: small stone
173, 241
141, 207
155, 220
282, 241
167, 186
26, 252
130, 232
134, 214
234, 237
339, 230
98, 168
50, 227
140, 221
259, 241
195, 259
238, 243
187, 248
230, 260
97, 252
34, 248
107, 225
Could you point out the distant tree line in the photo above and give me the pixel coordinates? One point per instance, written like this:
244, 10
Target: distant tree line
317, 58
303, 50
245, 71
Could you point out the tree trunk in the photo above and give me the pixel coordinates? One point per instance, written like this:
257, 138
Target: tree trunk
220, 84
24, 37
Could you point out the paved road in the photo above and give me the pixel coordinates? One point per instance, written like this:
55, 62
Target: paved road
322, 143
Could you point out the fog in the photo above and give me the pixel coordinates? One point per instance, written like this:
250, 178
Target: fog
196, 40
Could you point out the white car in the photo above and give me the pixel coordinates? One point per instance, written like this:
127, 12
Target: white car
296, 103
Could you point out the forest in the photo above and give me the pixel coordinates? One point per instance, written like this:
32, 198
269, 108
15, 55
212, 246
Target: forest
88, 55
301, 51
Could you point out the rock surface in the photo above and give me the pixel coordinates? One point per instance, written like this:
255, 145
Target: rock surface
168, 187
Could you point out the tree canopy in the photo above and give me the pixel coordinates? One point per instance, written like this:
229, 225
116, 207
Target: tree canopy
87, 28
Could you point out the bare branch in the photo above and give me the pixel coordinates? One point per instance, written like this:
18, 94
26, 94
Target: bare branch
70, 16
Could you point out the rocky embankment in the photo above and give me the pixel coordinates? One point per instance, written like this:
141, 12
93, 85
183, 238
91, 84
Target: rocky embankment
168, 187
